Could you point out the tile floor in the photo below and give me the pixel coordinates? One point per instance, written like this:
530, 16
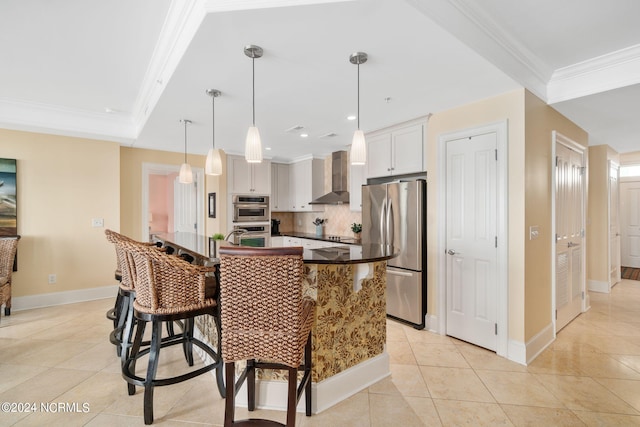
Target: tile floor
589, 376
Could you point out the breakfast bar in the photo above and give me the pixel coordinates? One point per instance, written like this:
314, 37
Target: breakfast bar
348, 283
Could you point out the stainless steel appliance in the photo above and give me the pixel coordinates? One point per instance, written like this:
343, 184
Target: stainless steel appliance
395, 213
256, 235
275, 227
250, 208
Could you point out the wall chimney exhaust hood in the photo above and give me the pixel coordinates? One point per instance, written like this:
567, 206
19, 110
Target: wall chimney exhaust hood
339, 191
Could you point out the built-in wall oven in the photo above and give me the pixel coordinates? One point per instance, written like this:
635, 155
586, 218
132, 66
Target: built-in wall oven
249, 208
255, 235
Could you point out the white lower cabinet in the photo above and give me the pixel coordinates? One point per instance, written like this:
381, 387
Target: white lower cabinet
277, 241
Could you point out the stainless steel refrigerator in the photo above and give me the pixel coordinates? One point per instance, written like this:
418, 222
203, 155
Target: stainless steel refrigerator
395, 213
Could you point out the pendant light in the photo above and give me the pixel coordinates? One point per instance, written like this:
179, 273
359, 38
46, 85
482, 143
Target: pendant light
358, 153
253, 145
185, 177
213, 164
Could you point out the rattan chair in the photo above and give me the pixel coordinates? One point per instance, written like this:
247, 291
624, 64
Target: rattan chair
266, 322
8, 247
123, 307
167, 289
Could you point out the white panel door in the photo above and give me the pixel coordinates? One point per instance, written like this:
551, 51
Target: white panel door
569, 201
614, 224
185, 207
630, 223
471, 236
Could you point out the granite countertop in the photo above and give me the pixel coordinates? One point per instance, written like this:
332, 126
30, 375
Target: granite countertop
343, 254
324, 238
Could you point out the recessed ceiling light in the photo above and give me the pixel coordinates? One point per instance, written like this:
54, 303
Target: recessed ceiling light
304, 135
267, 148
351, 117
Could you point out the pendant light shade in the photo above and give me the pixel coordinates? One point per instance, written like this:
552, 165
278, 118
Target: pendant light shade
358, 154
213, 164
186, 176
253, 144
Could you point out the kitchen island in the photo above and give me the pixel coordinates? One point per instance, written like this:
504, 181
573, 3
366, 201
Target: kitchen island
348, 284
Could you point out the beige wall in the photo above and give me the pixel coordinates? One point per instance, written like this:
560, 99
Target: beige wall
510, 107
598, 213
63, 183
540, 121
131, 160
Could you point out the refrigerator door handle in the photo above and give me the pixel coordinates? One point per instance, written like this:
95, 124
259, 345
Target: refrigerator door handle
399, 273
390, 223
383, 213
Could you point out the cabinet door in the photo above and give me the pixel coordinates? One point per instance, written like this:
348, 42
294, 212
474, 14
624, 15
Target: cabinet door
379, 155
239, 178
407, 150
356, 181
261, 177
279, 187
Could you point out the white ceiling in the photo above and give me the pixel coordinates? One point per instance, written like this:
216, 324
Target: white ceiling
149, 62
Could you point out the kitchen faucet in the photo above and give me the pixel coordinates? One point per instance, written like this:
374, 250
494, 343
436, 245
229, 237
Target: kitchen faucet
236, 231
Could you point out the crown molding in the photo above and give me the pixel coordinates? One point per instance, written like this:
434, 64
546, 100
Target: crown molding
57, 120
184, 17
606, 72
465, 20
212, 6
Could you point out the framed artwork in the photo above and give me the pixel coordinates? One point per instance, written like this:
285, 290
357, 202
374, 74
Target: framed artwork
212, 205
8, 199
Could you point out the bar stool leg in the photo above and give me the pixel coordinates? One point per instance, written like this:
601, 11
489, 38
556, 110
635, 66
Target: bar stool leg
230, 399
152, 368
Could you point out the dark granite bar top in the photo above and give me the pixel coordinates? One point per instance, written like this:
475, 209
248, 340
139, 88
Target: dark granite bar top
343, 254
324, 238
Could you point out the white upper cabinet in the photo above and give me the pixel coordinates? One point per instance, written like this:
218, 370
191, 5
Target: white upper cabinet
357, 179
247, 178
396, 151
306, 182
279, 187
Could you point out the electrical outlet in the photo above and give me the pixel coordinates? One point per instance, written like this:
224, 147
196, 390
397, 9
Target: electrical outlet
534, 232
52, 279
97, 222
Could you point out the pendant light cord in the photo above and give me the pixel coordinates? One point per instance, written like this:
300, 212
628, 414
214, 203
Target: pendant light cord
253, 93
185, 141
213, 121
358, 94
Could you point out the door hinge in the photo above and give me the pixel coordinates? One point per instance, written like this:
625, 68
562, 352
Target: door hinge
556, 314
583, 169
582, 233
583, 295
496, 244
496, 151
495, 327
557, 160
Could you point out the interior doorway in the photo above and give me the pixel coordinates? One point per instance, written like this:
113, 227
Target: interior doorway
630, 221
168, 206
473, 279
568, 230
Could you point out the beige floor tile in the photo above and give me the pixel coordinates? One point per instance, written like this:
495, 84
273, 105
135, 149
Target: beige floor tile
599, 365
518, 388
424, 336
480, 358
352, 412
405, 380
201, 402
555, 363
457, 413
400, 353
400, 411
529, 416
95, 357
455, 383
427, 354
395, 332
46, 386
584, 394
598, 419
615, 344
630, 360
58, 416
12, 375
627, 390
46, 353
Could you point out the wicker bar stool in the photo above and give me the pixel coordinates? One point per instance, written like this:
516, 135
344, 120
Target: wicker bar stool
8, 247
123, 309
266, 322
167, 289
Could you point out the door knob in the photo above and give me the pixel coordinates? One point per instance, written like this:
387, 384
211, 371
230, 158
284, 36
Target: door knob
451, 252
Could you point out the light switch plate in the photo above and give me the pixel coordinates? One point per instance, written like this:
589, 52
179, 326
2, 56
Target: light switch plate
97, 222
534, 232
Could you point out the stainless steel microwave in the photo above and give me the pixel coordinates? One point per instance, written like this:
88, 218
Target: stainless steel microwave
250, 208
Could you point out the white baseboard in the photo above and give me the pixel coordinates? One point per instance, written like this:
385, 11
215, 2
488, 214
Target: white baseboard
540, 342
431, 323
517, 352
598, 286
64, 297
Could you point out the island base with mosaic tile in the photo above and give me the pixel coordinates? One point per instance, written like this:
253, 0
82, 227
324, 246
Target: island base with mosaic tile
348, 336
